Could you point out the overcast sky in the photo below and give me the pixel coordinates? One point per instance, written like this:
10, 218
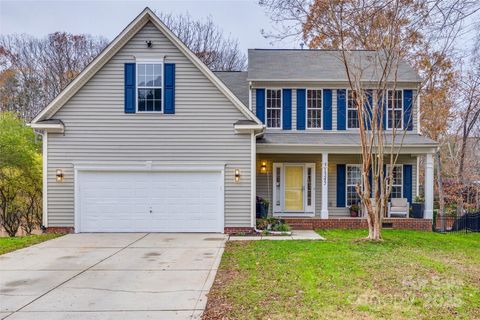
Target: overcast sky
243, 19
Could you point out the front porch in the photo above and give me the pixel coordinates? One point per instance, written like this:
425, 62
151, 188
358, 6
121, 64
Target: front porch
316, 190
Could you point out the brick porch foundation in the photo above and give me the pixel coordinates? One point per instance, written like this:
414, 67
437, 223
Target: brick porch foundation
60, 230
232, 230
358, 223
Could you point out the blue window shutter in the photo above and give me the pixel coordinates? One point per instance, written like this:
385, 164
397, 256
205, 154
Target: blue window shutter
407, 109
301, 105
368, 108
341, 176
341, 109
169, 83
129, 87
407, 182
327, 109
260, 104
287, 109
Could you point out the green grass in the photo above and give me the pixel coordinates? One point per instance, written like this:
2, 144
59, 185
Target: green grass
411, 275
8, 244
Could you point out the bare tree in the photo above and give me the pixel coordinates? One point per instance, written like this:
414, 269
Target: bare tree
33, 71
468, 113
207, 41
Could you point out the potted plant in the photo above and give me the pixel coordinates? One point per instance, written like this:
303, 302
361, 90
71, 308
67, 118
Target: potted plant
262, 207
354, 209
417, 208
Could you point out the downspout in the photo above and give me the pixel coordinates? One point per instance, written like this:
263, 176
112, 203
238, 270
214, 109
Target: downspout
250, 95
253, 159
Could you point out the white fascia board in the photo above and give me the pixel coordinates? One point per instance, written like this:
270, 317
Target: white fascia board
50, 127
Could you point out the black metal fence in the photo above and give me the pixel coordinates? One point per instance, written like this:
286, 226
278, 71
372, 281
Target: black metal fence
469, 222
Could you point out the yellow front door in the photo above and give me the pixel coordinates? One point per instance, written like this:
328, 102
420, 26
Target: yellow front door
294, 188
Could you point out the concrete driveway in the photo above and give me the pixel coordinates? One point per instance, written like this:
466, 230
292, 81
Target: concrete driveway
110, 276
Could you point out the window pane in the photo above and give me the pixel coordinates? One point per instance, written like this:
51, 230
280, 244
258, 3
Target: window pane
141, 105
273, 108
157, 104
149, 105
277, 186
141, 94
149, 94
149, 70
158, 93
309, 186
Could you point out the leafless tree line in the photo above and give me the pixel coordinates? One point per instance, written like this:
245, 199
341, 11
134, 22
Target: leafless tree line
34, 70
218, 51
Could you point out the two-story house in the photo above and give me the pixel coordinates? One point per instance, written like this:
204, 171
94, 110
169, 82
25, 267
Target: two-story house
147, 138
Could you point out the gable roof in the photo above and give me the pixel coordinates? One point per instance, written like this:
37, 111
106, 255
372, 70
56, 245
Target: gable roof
317, 65
237, 82
139, 22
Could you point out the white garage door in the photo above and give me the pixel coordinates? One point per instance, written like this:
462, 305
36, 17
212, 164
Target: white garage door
149, 201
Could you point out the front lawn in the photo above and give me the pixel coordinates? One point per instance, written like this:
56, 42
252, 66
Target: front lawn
411, 275
8, 244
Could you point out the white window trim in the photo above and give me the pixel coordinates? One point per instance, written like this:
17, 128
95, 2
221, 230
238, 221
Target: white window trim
402, 109
281, 109
346, 111
306, 109
346, 179
279, 210
151, 61
396, 185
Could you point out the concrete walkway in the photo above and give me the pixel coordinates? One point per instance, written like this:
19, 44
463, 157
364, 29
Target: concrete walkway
110, 276
296, 235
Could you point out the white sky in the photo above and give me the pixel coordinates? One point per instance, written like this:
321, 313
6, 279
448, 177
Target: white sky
243, 19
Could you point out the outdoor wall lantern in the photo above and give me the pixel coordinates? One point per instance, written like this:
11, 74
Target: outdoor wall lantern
237, 175
263, 167
59, 175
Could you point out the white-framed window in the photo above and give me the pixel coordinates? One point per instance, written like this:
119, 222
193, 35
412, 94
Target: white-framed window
352, 110
149, 86
273, 108
397, 180
353, 178
314, 108
294, 188
395, 109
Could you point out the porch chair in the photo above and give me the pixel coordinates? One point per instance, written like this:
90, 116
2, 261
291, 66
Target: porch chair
398, 207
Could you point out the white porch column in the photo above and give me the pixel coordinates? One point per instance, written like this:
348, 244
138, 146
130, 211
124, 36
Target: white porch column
324, 212
429, 186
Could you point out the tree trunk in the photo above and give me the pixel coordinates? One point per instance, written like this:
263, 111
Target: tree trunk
441, 199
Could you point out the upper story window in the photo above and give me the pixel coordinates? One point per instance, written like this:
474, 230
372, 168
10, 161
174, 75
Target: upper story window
352, 110
397, 180
273, 107
354, 178
314, 109
149, 87
395, 109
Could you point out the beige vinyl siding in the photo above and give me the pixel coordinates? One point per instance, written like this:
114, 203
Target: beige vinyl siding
201, 130
326, 85
265, 180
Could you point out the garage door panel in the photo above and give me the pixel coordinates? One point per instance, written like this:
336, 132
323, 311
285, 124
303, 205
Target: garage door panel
150, 201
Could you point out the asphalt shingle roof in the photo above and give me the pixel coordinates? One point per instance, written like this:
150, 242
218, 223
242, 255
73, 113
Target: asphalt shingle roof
318, 65
338, 138
237, 82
